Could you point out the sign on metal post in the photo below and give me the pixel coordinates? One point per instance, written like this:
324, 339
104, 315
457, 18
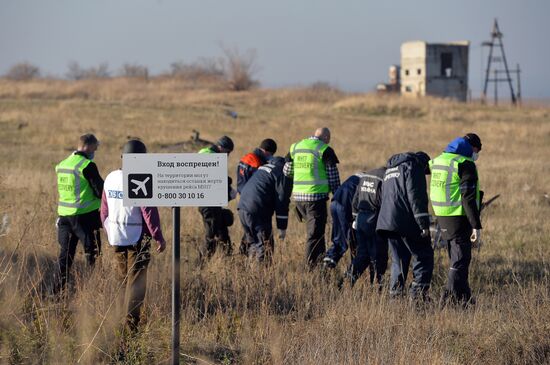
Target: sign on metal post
175, 180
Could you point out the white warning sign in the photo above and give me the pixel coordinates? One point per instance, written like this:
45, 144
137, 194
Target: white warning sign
175, 179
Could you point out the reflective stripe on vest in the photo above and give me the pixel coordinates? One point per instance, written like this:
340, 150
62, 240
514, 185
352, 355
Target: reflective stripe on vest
75, 193
123, 225
310, 175
445, 193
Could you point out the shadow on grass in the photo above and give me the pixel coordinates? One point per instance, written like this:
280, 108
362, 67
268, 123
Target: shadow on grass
500, 272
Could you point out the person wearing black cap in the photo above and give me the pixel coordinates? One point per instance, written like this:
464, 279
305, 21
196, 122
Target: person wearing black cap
456, 201
217, 219
404, 221
247, 166
250, 162
80, 187
130, 231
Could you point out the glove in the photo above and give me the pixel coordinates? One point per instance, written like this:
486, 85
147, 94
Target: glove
425, 233
354, 225
282, 234
232, 194
475, 238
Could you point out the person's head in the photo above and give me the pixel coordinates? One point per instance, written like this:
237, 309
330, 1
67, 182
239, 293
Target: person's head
134, 146
423, 159
474, 141
268, 146
88, 144
323, 134
225, 144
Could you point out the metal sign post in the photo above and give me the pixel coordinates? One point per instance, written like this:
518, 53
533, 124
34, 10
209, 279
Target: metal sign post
176, 286
175, 180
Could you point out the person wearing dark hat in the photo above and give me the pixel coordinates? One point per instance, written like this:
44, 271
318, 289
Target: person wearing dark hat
217, 219
247, 166
250, 162
130, 231
80, 187
404, 221
456, 201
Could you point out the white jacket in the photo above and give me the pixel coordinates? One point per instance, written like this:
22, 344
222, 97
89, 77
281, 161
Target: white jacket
123, 224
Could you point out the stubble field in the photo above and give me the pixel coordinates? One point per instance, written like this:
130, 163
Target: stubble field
232, 310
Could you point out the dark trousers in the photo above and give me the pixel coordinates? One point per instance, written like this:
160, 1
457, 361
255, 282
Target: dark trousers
341, 231
216, 232
259, 234
403, 248
315, 215
70, 230
132, 262
372, 250
460, 255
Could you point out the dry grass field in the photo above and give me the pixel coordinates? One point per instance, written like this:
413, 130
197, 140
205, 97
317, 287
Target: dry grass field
234, 312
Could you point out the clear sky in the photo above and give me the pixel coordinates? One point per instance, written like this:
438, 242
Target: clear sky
349, 43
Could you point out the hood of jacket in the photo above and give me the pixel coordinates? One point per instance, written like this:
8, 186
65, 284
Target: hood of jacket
400, 158
460, 146
277, 161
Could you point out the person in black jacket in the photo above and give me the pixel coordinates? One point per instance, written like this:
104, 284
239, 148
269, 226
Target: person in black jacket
217, 220
372, 250
463, 230
404, 220
268, 191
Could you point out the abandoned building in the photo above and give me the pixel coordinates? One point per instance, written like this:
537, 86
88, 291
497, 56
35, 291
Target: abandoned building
435, 69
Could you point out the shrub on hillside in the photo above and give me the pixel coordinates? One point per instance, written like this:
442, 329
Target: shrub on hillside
76, 72
134, 71
23, 71
240, 68
206, 69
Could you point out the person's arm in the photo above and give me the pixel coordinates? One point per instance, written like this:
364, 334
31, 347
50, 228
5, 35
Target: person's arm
288, 169
468, 181
355, 201
91, 173
283, 188
417, 194
104, 210
152, 221
331, 161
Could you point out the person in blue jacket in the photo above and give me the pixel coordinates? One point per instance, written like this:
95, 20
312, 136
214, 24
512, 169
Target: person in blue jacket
342, 218
404, 221
268, 191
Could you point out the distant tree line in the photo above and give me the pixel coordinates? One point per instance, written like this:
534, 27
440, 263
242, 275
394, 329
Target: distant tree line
235, 68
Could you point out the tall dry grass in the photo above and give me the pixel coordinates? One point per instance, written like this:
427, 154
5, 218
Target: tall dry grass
232, 310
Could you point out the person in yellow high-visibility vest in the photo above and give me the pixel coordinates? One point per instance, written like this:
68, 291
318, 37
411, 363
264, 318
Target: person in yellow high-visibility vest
80, 187
217, 220
456, 201
312, 165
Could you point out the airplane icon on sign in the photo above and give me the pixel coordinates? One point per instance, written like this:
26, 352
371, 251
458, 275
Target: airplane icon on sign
140, 186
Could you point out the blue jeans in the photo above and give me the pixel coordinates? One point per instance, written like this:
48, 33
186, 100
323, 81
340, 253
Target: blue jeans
341, 231
403, 249
372, 250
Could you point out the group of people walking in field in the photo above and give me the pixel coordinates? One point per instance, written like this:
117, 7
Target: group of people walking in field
373, 211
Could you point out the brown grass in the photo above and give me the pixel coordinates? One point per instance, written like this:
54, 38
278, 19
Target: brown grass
234, 312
